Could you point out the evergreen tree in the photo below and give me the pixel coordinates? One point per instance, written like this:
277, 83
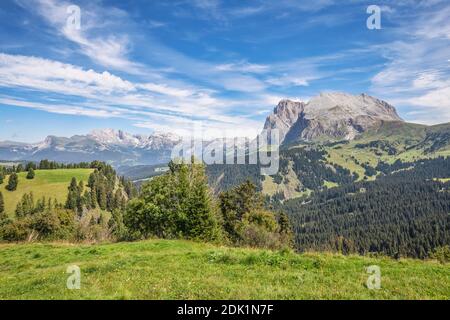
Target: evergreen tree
101, 197
30, 165
13, 181
73, 195
2, 206
30, 174
202, 222
93, 198
25, 206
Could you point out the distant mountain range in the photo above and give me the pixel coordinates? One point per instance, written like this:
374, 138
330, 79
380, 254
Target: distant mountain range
329, 117
116, 147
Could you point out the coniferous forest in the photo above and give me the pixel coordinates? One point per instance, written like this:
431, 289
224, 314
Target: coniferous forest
404, 213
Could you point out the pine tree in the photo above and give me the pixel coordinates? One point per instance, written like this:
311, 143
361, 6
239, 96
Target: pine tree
101, 197
25, 206
13, 181
2, 207
72, 196
93, 198
30, 174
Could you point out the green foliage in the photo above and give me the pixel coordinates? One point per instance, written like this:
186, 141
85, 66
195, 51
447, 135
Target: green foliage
104, 191
404, 213
30, 174
26, 206
247, 223
74, 200
13, 181
442, 254
80, 219
2, 206
177, 204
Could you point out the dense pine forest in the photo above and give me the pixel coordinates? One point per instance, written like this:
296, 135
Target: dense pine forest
308, 164
403, 213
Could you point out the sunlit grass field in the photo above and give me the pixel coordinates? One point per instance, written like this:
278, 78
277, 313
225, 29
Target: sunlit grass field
47, 183
163, 269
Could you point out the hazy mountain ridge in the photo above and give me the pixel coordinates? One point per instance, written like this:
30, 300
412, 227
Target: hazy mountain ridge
117, 147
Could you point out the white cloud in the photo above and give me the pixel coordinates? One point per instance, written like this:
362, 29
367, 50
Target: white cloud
107, 95
416, 75
108, 50
244, 67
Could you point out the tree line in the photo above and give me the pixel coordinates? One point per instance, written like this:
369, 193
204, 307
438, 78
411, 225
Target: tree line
176, 205
180, 204
88, 213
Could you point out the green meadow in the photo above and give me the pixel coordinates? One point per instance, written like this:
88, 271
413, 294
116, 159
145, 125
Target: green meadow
169, 269
47, 183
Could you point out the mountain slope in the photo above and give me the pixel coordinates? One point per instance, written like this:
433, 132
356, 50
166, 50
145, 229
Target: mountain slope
329, 116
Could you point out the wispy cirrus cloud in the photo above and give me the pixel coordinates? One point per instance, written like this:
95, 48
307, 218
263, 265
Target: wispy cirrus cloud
89, 93
105, 48
416, 75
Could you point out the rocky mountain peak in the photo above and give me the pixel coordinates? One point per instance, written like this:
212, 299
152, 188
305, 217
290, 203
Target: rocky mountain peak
330, 115
285, 114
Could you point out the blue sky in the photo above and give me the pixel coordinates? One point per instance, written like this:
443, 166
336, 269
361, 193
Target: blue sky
163, 65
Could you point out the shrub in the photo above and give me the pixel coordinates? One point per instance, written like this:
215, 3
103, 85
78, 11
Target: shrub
442, 254
15, 230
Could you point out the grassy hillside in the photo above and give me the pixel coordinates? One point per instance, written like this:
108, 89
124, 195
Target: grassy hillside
48, 183
390, 142
161, 269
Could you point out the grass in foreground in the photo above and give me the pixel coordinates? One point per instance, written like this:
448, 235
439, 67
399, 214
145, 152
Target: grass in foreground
47, 183
162, 269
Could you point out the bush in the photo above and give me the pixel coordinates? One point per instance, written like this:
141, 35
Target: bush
442, 254
247, 223
93, 227
14, 231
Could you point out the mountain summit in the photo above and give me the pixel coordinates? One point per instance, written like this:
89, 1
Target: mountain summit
329, 116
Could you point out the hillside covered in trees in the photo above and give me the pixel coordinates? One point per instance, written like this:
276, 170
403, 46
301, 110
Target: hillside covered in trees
402, 213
